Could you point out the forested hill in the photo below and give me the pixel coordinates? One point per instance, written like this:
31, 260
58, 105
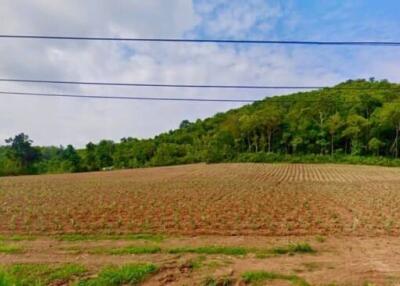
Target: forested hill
356, 121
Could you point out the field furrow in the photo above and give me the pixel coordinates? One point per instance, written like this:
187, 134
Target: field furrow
265, 199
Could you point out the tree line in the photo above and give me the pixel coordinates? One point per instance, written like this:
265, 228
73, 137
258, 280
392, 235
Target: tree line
356, 119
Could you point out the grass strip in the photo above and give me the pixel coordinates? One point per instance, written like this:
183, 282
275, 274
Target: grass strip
95, 237
130, 274
10, 248
288, 249
211, 250
39, 274
292, 248
224, 250
16, 237
127, 250
256, 277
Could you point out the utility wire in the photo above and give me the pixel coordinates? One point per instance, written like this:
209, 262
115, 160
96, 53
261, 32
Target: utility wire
266, 99
175, 85
124, 97
158, 84
220, 41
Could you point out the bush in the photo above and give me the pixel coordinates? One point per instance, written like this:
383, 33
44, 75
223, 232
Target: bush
263, 157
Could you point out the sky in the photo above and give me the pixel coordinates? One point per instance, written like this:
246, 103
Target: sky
62, 121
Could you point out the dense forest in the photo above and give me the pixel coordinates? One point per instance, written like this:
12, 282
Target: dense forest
357, 121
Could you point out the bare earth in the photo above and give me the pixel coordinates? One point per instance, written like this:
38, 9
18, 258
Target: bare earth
337, 261
356, 208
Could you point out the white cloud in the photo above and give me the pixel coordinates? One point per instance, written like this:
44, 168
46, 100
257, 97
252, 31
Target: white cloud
235, 19
77, 121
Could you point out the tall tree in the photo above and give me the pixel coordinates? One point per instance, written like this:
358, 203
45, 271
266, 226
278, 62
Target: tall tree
71, 159
355, 126
270, 117
390, 114
21, 150
90, 157
333, 124
104, 153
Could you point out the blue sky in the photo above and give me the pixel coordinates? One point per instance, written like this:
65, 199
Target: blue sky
306, 19
63, 121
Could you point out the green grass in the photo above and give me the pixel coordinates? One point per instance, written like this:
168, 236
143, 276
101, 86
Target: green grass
43, 274
260, 253
5, 280
39, 274
221, 281
210, 281
10, 248
256, 277
88, 237
16, 237
312, 266
211, 250
263, 157
292, 249
132, 249
197, 262
130, 274
320, 238
224, 250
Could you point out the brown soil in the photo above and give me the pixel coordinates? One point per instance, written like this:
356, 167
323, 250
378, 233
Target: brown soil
343, 261
222, 199
252, 205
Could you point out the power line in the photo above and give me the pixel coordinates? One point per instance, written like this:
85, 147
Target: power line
126, 97
159, 85
177, 85
267, 99
218, 41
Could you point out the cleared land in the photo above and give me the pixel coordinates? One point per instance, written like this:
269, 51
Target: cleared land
243, 223
222, 199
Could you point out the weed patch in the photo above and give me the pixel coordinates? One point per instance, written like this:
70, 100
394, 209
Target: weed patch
260, 276
220, 281
127, 250
320, 238
211, 250
10, 248
93, 237
39, 274
130, 274
16, 238
292, 249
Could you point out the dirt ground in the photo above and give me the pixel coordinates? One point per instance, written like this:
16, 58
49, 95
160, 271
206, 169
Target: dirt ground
221, 199
349, 214
337, 261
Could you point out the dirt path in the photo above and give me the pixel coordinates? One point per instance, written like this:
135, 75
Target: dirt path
343, 261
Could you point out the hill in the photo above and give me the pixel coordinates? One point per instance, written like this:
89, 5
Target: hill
357, 121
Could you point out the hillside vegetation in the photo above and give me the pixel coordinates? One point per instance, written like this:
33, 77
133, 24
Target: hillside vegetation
357, 121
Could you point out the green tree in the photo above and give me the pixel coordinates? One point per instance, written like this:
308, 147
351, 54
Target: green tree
355, 126
270, 118
90, 157
246, 129
72, 161
334, 124
184, 124
104, 153
390, 114
21, 150
375, 145
221, 147
168, 154
348, 117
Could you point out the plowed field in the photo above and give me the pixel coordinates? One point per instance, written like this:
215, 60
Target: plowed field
226, 199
